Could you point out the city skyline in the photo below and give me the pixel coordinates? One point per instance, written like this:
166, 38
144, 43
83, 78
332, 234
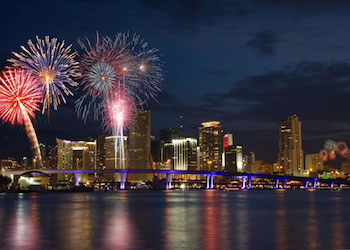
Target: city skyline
257, 60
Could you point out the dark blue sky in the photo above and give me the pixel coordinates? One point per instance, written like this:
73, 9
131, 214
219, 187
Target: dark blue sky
245, 63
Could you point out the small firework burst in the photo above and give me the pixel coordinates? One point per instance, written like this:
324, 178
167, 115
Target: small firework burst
330, 145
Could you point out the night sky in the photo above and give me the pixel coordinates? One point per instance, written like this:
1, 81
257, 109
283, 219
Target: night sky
247, 64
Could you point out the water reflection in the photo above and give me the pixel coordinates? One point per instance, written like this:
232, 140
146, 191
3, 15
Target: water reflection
23, 231
118, 228
281, 230
176, 220
337, 225
312, 223
211, 218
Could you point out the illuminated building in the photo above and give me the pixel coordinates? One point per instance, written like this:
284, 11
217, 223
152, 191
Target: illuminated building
261, 167
290, 152
100, 154
345, 167
51, 160
185, 154
210, 143
248, 160
313, 162
109, 150
140, 143
228, 141
76, 154
9, 163
166, 136
234, 159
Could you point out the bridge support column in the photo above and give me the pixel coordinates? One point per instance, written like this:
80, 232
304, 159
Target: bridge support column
212, 181
277, 183
314, 182
77, 179
306, 184
249, 182
244, 182
284, 183
168, 181
332, 185
341, 186
122, 180
208, 181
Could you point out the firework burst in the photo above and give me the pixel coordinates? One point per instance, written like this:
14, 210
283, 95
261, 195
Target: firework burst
20, 96
330, 145
54, 67
118, 75
102, 67
146, 70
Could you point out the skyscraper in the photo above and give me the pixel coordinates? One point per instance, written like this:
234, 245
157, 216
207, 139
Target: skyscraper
166, 137
140, 143
110, 156
185, 154
234, 159
76, 154
210, 143
290, 152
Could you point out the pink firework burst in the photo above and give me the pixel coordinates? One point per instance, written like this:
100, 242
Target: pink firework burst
120, 109
20, 96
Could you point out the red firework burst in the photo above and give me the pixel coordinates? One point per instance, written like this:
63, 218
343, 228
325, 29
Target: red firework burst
20, 96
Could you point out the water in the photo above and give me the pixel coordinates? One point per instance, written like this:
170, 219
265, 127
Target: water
176, 220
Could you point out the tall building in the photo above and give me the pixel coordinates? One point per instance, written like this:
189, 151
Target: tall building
234, 159
140, 143
290, 152
76, 154
51, 160
185, 154
166, 136
210, 143
110, 156
100, 154
313, 162
227, 141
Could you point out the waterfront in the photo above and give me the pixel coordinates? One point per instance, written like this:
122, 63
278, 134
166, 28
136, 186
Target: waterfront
210, 219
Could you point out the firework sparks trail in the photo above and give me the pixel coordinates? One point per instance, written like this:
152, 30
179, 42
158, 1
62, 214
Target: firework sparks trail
120, 109
54, 67
20, 96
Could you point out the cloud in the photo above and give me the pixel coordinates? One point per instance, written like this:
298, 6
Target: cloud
264, 42
309, 5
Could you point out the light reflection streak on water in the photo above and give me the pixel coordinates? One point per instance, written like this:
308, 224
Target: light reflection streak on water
211, 217
337, 225
312, 225
242, 220
119, 232
281, 230
179, 220
24, 230
76, 220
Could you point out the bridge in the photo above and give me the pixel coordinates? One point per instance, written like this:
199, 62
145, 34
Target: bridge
279, 180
